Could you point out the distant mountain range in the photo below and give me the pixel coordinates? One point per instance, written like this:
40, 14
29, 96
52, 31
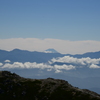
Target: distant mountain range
18, 55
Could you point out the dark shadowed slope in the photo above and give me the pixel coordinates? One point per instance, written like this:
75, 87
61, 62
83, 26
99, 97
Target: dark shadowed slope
14, 87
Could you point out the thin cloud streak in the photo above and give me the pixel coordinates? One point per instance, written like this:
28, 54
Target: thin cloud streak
62, 46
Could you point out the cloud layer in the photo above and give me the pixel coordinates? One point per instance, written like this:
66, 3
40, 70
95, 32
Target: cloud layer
77, 61
28, 65
68, 63
62, 46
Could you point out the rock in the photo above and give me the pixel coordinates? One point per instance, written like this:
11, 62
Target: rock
14, 87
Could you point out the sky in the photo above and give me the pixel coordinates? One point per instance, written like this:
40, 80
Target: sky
63, 21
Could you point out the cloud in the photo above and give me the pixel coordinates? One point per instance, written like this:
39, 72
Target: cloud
14, 65
1, 64
58, 71
94, 66
7, 61
77, 61
28, 65
37, 65
62, 46
65, 67
74, 63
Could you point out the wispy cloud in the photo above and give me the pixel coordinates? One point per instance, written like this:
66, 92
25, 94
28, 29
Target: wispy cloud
62, 46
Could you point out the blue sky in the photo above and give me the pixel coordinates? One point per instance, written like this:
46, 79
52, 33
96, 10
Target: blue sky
73, 20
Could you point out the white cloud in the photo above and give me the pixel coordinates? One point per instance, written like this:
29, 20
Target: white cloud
72, 60
49, 69
27, 65
14, 65
1, 64
58, 71
66, 67
37, 65
62, 46
74, 63
7, 65
94, 66
56, 68
7, 61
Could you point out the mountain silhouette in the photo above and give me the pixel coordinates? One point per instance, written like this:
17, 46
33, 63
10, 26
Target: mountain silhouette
18, 55
14, 87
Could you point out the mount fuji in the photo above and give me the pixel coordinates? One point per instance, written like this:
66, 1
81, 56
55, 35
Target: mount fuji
51, 51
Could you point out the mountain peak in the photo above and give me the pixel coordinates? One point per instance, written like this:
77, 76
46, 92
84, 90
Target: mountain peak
51, 50
16, 49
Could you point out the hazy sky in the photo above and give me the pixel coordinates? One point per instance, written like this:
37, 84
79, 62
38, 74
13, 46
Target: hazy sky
73, 20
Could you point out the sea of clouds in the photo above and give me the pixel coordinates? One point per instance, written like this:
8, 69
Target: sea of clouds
67, 63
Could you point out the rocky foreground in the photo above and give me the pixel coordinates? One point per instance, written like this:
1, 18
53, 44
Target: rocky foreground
14, 87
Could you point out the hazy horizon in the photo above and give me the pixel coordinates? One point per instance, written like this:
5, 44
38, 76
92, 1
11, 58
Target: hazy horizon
68, 26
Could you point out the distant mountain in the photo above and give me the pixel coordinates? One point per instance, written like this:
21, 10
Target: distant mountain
50, 51
14, 87
89, 54
18, 55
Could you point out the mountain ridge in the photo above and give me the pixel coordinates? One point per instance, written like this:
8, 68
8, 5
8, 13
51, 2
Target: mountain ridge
24, 55
15, 87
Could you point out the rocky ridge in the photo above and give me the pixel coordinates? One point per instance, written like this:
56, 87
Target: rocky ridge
14, 87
